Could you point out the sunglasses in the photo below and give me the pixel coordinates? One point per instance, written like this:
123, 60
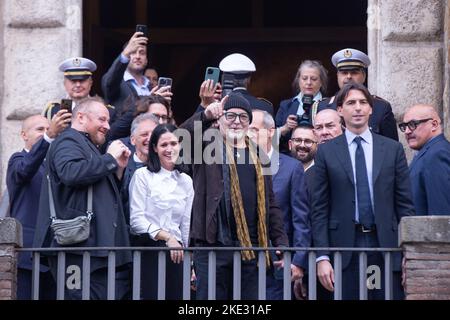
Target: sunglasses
412, 125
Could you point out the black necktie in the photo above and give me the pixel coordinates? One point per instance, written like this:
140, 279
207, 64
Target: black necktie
362, 187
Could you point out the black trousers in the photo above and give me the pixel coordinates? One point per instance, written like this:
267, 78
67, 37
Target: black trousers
98, 278
224, 276
149, 271
47, 287
350, 276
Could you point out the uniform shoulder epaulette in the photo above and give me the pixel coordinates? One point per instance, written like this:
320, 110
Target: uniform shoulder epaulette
47, 112
110, 106
265, 100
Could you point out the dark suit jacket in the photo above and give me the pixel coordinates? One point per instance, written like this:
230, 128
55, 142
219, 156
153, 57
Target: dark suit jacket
74, 163
132, 166
24, 179
333, 206
115, 89
290, 193
430, 178
208, 186
381, 121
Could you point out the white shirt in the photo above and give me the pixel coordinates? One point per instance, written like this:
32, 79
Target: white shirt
161, 201
367, 145
299, 97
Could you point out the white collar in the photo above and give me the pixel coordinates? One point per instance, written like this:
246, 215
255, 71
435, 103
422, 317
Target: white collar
366, 136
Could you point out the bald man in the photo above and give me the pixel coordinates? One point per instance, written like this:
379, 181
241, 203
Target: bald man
74, 164
430, 169
327, 125
23, 180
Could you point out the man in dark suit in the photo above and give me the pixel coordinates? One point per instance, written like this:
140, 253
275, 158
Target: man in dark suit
290, 193
430, 168
125, 78
73, 164
351, 66
241, 69
234, 204
141, 130
23, 180
361, 192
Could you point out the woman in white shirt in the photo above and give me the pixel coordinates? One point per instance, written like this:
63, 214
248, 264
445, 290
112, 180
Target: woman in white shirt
161, 198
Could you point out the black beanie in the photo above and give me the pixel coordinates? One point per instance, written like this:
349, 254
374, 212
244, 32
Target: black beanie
237, 100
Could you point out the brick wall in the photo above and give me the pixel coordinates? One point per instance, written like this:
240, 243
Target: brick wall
426, 245
8, 273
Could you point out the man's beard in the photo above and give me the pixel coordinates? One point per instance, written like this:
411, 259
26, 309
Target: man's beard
304, 159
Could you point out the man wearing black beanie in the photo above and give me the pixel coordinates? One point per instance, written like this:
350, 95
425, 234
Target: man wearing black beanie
233, 203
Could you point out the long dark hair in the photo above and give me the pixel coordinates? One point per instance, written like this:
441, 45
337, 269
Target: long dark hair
153, 163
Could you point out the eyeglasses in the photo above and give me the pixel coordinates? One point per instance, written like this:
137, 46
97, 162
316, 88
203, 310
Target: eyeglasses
163, 117
243, 117
412, 125
307, 142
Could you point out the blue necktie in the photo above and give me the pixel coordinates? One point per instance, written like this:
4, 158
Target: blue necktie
362, 187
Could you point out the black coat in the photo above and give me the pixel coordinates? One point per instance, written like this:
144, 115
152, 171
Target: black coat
115, 89
73, 164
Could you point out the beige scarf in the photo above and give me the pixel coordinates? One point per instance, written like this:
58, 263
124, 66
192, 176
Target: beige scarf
238, 207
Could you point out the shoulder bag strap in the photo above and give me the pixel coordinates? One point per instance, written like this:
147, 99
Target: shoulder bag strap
52, 203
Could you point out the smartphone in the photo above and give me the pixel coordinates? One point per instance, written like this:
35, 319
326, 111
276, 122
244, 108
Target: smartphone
66, 104
213, 74
142, 28
164, 82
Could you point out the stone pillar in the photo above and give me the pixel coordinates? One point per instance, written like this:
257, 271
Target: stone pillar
406, 41
10, 239
35, 36
426, 244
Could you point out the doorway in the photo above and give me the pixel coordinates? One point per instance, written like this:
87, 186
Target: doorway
188, 36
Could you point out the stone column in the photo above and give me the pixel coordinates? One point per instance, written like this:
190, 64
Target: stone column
35, 36
406, 41
426, 244
10, 239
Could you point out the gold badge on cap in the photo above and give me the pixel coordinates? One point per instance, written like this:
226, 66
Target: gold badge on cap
347, 54
76, 62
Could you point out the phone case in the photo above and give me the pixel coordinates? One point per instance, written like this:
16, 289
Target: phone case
213, 74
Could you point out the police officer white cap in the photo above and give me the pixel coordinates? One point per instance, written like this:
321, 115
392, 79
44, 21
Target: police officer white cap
237, 63
77, 68
349, 58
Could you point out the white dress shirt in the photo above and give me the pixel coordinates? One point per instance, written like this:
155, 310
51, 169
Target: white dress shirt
161, 201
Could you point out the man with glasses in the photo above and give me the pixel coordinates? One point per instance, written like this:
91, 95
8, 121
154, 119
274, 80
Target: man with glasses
303, 145
360, 193
351, 65
234, 204
430, 169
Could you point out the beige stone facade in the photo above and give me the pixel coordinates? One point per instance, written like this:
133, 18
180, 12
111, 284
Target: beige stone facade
408, 43
409, 49
35, 36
